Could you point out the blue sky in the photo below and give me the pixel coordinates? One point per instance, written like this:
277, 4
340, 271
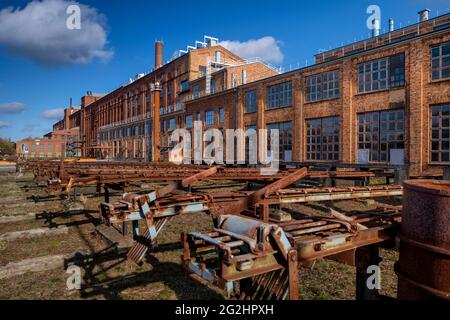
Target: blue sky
33, 88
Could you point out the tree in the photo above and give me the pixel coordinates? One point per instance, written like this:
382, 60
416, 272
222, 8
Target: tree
7, 147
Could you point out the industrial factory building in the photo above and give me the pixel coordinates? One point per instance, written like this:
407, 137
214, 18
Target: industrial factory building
384, 100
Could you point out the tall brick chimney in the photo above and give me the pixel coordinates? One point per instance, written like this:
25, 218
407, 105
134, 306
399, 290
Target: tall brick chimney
158, 54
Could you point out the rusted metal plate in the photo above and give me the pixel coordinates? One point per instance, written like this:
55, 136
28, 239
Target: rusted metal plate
424, 264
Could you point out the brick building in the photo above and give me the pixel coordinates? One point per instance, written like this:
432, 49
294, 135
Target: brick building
120, 125
384, 100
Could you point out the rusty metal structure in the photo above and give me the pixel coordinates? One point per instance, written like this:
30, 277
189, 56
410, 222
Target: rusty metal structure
258, 243
424, 265
62, 176
249, 253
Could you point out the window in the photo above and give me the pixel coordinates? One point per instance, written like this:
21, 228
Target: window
248, 141
251, 102
218, 56
322, 139
189, 121
199, 116
209, 118
184, 85
163, 127
379, 132
233, 80
322, 86
196, 90
202, 71
244, 76
221, 115
440, 62
172, 124
440, 133
213, 86
279, 96
49, 150
381, 74
285, 136
397, 71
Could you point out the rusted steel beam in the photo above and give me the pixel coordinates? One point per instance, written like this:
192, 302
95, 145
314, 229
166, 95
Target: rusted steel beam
332, 194
279, 184
199, 176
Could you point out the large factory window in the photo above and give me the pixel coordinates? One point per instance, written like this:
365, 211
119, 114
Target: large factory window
322, 139
440, 133
381, 74
279, 95
440, 62
322, 86
285, 139
381, 137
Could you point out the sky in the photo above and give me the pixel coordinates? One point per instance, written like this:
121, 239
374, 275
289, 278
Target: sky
43, 63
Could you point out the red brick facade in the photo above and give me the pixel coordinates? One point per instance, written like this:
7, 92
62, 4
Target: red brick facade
386, 122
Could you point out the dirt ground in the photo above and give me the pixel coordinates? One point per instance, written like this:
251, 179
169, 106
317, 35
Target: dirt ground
109, 276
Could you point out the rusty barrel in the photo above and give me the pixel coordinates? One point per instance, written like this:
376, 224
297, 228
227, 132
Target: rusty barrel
423, 268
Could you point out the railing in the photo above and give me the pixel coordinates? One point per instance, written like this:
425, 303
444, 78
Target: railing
128, 121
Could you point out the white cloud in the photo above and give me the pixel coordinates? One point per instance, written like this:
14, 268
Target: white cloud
53, 114
266, 48
12, 107
39, 32
4, 125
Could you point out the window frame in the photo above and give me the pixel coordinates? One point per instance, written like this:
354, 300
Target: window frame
440, 58
221, 116
209, 115
383, 124
286, 139
251, 101
370, 74
441, 117
189, 116
172, 124
279, 96
319, 130
323, 86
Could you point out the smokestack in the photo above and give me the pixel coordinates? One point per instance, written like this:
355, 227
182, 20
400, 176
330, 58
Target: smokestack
158, 54
376, 27
424, 14
391, 24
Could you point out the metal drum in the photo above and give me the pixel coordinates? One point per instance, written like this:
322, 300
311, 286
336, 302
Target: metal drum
424, 266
